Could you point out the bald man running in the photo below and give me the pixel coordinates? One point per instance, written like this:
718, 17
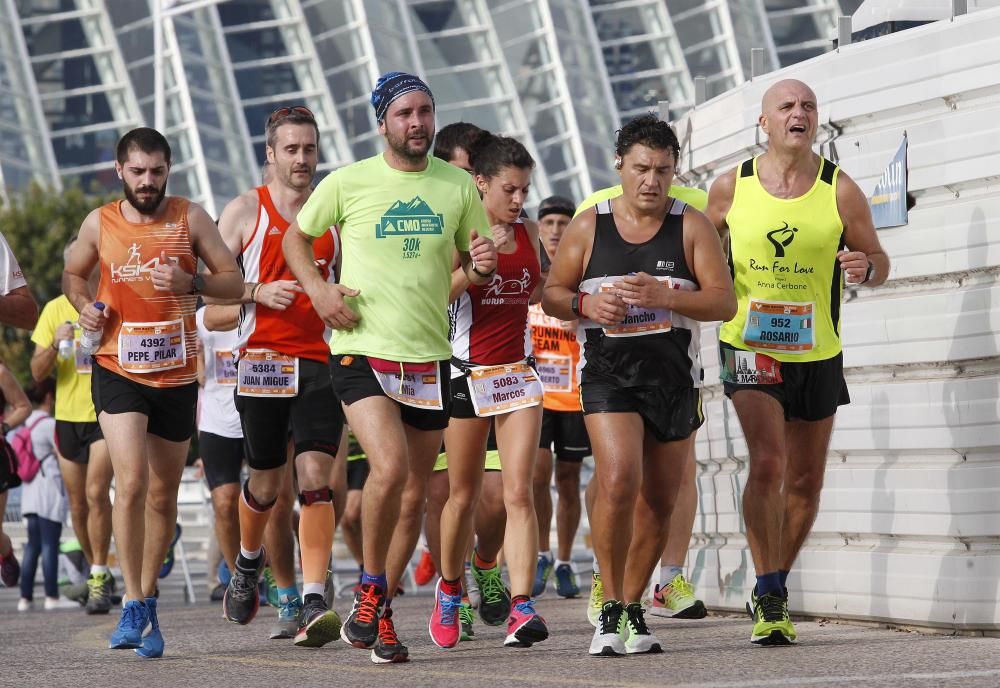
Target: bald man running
799, 228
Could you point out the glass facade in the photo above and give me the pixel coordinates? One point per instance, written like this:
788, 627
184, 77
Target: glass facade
560, 75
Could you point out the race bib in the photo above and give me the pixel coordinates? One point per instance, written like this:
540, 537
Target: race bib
749, 368
151, 347
502, 389
777, 326
412, 384
83, 361
639, 321
555, 372
225, 367
263, 373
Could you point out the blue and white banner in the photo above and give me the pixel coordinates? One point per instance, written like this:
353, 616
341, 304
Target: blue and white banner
888, 200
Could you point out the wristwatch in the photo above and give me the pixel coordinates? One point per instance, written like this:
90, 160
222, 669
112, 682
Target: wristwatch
869, 273
574, 304
197, 283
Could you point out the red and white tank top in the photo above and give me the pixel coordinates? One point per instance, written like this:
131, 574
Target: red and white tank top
297, 330
490, 322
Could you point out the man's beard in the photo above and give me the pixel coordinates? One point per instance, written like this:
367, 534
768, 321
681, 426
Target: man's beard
146, 207
402, 148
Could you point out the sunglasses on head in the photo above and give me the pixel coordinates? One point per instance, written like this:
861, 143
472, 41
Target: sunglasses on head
283, 112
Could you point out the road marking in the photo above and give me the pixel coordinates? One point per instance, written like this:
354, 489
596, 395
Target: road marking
814, 680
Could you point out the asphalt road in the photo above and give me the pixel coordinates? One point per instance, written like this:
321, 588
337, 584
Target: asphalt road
67, 648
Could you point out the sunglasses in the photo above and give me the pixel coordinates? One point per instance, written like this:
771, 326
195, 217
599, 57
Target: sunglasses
284, 112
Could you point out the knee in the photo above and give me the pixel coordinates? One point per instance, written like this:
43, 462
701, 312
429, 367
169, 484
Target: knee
388, 473
767, 469
225, 499
312, 473
265, 486
129, 490
568, 485
463, 498
807, 485
98, 496
518, 497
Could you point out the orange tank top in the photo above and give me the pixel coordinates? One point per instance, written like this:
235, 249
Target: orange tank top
296, 331
557, 354
150, 336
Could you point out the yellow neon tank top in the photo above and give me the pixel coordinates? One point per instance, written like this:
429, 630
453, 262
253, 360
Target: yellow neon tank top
783, 258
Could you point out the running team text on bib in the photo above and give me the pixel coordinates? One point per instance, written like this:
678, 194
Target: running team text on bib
555, 372
779, 326
502, 389
639, 321
412, 384
225, 367
151, 347
263, 373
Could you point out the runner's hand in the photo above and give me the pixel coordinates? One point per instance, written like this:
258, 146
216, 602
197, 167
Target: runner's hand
93, 319
329, 305
278, 295
854, 264
604, 308
483, 253
64, 332
643, 290
502, 234
168, 276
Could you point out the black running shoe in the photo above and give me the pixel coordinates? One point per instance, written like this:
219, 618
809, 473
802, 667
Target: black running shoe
99, 593
388, 649
361, 629
241, 601
318, 625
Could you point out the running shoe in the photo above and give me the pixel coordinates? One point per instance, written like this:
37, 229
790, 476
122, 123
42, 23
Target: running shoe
525, 626
609, 636
466, 618
424, 573
361, 629
566, 585
128, 634
328, 590
25, 605
270, 588
242, 599
494, 606
772, 625
99, 593
444, 626
318, 624
152, 642
640, 640
596, 603
543, 569
472, 587
55, 603
676, 600
218, 592
10, 569
287, 624
388, 649
168, 562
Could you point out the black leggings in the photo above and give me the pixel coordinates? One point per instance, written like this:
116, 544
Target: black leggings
43, 539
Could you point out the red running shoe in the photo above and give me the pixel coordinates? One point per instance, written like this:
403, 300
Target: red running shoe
425, 570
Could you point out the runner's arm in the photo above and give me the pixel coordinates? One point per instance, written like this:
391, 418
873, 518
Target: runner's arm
459, 282
327, 297
19, 308
221, 318
224, 279
80, 263
532, 229
860, 236
17, 400
235, 225
567, 267
720, 200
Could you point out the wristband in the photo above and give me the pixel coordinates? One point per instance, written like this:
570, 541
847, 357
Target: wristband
576, 304
483, 274
253, 292
869, 273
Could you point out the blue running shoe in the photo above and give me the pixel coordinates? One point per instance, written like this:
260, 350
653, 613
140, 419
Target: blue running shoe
225, 575
168, 562
542, 572
152, 643
566, 585
128, 634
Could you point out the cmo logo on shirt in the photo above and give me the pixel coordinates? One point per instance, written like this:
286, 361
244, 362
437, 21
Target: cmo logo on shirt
408, 218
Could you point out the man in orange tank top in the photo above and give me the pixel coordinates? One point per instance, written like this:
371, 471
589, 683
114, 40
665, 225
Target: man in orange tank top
279, 330
144, 377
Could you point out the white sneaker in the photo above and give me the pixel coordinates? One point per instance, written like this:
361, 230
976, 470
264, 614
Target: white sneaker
640, 640
609, 636
24, 605
54, 603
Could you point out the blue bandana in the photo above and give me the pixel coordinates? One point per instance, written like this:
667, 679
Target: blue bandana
393, 85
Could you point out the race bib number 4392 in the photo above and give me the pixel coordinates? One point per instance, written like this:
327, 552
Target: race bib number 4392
151, 347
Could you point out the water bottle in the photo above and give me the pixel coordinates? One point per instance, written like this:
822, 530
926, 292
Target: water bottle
90, 340
66, 347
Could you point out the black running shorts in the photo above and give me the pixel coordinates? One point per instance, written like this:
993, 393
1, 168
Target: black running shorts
170, 410
357, 474
222, 457
811, 390
313, 418
74, 439
354, 380
567, 432
669, 413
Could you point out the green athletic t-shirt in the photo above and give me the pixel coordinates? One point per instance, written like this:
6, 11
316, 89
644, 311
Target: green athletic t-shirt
398, 231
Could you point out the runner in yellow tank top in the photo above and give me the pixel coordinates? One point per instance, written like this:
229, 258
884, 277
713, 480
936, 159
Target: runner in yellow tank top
789, 215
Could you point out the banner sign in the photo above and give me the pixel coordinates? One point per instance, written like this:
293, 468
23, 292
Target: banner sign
888, 201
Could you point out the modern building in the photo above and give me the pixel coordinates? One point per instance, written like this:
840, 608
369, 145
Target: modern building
558, 74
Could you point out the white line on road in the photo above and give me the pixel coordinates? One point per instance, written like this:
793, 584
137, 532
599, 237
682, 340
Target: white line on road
814, 680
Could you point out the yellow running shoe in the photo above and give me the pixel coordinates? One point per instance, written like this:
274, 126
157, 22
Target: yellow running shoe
771, 626
596, 601
676, 600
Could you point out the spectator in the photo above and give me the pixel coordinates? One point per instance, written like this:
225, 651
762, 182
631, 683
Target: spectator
14, 408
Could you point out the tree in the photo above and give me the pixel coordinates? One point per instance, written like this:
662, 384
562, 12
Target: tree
37, 223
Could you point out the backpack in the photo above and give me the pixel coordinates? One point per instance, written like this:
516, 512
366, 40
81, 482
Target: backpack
28, 464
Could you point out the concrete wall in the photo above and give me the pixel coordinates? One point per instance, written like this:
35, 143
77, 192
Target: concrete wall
909, 528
